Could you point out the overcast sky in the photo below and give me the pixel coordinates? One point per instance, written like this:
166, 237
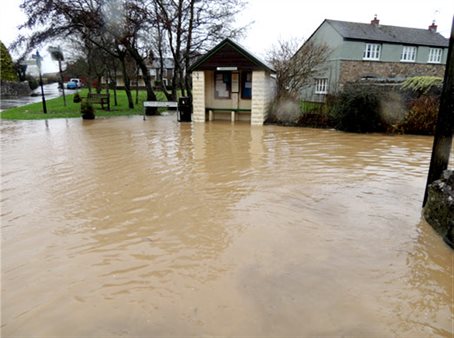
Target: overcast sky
283, 19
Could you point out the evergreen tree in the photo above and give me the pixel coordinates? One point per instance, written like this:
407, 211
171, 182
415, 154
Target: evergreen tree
7, 70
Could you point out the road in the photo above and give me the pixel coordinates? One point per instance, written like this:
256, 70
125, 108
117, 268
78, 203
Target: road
50, 91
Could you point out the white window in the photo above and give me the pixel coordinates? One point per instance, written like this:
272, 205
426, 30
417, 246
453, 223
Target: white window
321, 86
372, 52
435, 55
408, 54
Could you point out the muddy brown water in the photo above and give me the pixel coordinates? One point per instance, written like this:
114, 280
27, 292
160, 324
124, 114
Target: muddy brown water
124, 227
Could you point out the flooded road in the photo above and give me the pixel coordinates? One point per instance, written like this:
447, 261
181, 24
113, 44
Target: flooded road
51, 91
124, 227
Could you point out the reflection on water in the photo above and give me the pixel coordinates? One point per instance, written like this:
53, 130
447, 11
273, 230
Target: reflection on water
124, 227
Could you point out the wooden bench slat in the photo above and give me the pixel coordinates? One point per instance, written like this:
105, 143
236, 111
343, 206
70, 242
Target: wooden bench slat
160, 104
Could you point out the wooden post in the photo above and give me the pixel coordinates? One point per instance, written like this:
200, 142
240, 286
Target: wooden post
445, 122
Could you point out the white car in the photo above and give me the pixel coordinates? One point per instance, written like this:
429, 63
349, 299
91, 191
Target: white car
76, 81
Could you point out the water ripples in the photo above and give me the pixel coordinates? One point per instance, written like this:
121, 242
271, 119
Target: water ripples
155, 211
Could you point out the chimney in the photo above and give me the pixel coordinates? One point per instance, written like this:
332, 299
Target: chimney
375, 21
433, 27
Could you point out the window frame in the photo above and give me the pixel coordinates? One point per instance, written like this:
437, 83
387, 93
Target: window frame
244, 79
408, 54
226, 75
372, 52
321, 85
435, 55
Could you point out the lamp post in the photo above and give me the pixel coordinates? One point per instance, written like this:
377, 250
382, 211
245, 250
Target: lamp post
38, 59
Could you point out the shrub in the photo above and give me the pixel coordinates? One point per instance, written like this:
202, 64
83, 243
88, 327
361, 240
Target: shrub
422, 117
77, 98
32, 82
421, 85
315, 120
357, 109
87, 111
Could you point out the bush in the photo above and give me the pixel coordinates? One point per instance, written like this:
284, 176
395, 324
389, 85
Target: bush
315, 120
32, 82
87, 111
77, 98
357, 109
422, 117
421, 85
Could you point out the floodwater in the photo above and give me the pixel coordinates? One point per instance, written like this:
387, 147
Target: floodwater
124, 227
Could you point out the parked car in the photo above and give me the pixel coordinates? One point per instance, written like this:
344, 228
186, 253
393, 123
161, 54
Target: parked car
74, 83
71, 85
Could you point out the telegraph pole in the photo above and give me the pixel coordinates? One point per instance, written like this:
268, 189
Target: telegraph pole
38, 59
445, 122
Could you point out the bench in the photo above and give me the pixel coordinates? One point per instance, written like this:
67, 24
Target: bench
232, 111
158, 104
102, 99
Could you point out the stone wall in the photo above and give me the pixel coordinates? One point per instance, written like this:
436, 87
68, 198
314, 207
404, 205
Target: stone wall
261, 96
198, 94
8, 88
439, 209
351, 70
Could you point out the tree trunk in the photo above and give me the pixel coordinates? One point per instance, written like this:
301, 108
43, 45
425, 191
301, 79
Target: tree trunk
126, 81
151, 96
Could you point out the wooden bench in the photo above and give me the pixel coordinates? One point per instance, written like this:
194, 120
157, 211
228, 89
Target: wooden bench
102, 99
158, 104
233, 111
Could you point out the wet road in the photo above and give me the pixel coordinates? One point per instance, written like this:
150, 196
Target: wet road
121, 227
51, 91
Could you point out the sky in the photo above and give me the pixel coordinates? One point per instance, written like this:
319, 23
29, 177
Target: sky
275, 20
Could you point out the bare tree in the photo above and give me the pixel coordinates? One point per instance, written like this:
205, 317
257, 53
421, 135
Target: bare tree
192, 27
296, 67
94, 22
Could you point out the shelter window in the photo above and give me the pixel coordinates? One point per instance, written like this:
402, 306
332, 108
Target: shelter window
435, 55
372, 51
246, 85
223, 85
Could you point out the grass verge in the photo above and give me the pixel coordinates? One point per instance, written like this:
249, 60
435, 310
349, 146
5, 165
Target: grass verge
56, 108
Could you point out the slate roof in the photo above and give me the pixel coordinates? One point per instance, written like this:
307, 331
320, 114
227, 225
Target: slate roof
214, 57
390, 34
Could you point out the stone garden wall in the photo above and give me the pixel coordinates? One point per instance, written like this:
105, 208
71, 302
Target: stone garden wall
8, 88
352, 71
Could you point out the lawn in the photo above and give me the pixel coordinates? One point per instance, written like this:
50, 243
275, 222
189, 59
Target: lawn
56, 108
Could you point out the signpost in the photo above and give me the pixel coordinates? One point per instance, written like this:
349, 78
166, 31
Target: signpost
38, 60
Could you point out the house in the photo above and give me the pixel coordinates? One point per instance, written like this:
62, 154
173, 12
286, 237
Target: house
154, 71
230, 83
371, 51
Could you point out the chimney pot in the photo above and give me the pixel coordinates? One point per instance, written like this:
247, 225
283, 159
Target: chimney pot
375, 21
433, 27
